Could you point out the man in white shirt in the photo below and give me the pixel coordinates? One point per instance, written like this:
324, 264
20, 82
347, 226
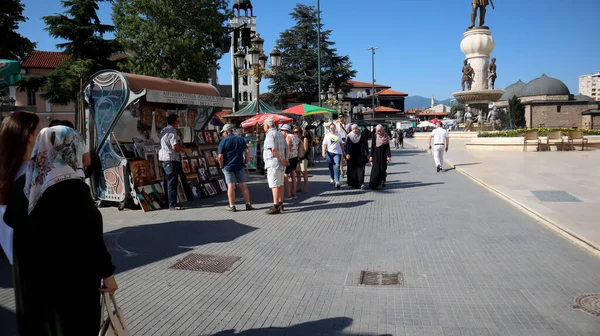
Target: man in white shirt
170, 160
441, 140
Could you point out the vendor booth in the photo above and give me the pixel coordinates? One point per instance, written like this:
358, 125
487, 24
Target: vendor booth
125, 115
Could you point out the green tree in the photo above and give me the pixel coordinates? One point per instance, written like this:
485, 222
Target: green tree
298, 72
172, 39
13, 46
82, 30
85, 44
517, 112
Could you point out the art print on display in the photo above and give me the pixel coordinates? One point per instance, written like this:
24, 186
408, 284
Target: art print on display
181, 192
186, 166
194, 164
203, 174
215, 136
200, 138
140, 172
202, 163
213, 171
208, 137
190, 152
153, 163
214, 154
209, 159
210, 189
223, 185
150, 196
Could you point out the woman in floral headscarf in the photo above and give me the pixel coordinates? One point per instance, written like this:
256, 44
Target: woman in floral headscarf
380, 156
62, 222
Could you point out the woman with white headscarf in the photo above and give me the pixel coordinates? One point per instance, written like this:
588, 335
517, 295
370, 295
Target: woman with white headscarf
65, 237
380, 156
357, 156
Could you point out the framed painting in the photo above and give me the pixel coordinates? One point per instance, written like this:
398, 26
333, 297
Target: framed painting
140, 172
185, 164
203, 174
181, 191
213, 171
223, 185
152, 159
211, 190
200, 138
194, 164
208, 137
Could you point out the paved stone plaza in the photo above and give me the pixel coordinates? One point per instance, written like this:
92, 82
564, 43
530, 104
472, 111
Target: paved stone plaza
471, 264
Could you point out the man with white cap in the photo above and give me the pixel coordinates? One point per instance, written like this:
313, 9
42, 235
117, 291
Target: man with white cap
275, 154
232, 162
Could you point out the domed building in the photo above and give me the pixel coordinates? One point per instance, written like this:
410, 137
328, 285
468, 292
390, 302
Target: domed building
549, 103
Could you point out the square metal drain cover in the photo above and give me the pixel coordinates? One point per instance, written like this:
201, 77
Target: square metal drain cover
205, 263
373, 278
554, 196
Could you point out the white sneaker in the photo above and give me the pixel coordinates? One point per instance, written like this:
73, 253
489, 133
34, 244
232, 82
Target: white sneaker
337, 184
331, 181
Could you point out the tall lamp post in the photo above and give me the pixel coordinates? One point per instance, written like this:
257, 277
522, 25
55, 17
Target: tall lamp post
332, 98
258, 63
319, 51
373, 82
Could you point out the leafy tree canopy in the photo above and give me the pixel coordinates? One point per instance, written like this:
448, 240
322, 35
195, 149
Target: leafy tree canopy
172, 39
85, 43
13, 46
298, 72
81, 27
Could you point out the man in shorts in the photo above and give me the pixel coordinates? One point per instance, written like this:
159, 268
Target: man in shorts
232, 162
275, 154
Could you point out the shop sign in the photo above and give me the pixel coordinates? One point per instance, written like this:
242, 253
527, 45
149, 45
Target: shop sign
157, 96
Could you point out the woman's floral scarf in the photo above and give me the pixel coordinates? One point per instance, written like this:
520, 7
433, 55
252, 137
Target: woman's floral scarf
56, 156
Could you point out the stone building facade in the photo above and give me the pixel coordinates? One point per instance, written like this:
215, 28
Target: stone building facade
548, 103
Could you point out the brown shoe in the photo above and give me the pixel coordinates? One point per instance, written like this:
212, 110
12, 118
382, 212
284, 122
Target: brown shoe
273, 210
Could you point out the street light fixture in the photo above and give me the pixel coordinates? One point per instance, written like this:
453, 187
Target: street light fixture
258, 63
332, 98
373, 81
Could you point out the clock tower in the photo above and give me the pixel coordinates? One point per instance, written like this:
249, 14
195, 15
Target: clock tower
244, 14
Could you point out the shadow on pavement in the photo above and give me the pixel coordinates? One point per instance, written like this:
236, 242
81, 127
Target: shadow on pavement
5, 273
300, 206
326, 327
406, 185
8, 322
467, 164
132, 247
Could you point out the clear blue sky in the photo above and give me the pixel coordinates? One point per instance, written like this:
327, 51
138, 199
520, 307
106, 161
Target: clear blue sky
419, 40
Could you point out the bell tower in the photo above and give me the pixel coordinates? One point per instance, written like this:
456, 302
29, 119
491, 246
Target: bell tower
244, 15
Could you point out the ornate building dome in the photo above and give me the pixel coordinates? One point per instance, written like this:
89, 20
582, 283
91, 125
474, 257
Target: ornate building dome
544, 86
512, 90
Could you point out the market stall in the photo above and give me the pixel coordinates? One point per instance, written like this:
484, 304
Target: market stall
125, 115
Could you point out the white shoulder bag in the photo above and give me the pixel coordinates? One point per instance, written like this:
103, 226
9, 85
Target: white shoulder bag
112, 323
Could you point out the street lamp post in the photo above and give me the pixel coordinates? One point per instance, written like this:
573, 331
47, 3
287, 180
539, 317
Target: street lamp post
258, 63
373, 81
319, 51
332, 98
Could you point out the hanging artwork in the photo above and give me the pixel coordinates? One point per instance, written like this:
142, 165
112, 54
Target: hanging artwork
140, 172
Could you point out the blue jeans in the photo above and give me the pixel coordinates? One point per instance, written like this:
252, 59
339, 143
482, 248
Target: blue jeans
333, 161
171, 171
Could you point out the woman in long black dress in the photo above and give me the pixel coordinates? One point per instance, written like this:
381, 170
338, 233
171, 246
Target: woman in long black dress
64, 240
357, 153
380, 156
17, 137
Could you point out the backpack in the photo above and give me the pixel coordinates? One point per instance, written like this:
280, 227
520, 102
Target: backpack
301, 151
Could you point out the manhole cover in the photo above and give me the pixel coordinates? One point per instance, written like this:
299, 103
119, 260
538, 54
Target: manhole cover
373, 278
205, 263
554, 196
589, 303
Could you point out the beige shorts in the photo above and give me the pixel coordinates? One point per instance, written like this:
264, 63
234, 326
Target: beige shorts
302, 166
275, 177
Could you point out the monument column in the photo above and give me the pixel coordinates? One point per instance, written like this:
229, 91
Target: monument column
477, 45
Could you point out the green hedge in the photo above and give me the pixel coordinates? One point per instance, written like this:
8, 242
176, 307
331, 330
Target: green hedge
541, 131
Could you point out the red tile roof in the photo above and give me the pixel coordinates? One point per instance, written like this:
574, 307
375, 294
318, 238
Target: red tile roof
383, 109
414, 110
44, 59
390, 92
366, 85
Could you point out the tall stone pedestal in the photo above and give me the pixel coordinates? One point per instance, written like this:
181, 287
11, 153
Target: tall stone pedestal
477, 45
